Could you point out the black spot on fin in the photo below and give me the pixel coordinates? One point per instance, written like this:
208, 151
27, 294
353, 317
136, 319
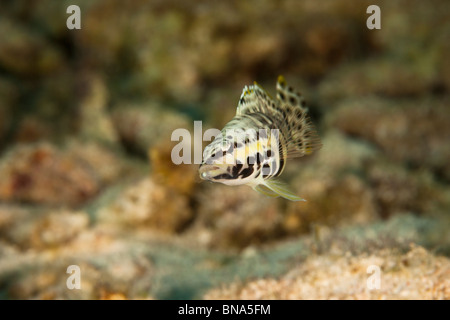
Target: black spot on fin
300, 134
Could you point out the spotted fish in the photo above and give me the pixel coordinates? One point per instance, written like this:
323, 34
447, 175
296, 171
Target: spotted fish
253, 147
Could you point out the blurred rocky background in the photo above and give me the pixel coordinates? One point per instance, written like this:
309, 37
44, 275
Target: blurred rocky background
86, 176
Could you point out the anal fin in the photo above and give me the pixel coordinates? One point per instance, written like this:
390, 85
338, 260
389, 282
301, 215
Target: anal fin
282, 190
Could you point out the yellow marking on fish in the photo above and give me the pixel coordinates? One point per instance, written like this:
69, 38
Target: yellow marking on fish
281, 80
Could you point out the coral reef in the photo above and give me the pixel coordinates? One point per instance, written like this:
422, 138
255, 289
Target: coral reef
86, 170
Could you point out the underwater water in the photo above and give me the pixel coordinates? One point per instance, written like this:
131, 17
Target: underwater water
90, 195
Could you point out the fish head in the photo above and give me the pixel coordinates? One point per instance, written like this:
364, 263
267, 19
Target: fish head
233, 159
219, 163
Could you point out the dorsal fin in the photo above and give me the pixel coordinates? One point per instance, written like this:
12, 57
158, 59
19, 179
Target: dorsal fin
286, 95
289, 114
255, 99
301, 136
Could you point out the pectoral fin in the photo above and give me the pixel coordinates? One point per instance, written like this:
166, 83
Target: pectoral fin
266, 191
280, 188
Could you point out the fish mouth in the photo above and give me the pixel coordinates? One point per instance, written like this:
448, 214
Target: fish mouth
211, 171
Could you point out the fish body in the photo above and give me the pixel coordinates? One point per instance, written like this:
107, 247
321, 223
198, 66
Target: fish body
254, 146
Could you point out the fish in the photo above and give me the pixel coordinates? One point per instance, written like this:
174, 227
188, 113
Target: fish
253, 148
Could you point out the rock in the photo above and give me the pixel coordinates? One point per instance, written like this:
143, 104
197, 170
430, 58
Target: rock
95, 121
342, 200
216, 43
406, 57
36, 230
339, 154
397, 190
443, 52
381, 77
52, 230
26, 52
8, 98
59, 228
43, 174
235, 217
414, 275
414, 34
147, 204
141, 127
105, 164
182, 179
413, 132
162, 201
331, 183
10, 218
50, 115
103, 276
